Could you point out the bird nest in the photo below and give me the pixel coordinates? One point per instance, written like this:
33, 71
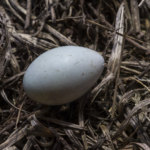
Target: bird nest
114, 114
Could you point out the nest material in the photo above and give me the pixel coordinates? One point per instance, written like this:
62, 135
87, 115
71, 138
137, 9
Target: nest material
114, 114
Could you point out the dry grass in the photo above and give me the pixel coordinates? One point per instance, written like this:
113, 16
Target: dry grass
114, 114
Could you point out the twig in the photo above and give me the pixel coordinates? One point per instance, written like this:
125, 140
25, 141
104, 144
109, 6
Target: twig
118, 74
129, 38
27, 21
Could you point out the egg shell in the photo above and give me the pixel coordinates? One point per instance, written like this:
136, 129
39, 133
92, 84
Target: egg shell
62, 74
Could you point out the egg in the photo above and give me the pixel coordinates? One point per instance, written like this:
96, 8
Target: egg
62, 75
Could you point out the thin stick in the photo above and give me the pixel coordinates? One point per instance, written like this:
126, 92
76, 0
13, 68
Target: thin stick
118, 74
27, 21
140, 83
104, 27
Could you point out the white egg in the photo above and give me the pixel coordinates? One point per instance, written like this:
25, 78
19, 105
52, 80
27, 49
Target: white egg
62, 75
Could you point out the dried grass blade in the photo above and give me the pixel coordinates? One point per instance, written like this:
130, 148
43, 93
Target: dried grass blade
135, 16
117, 80
97, 89
28, 145
14, 12
59, 35
142, 145
3, 94
28, 16
73, 139
133, 112
38, 128
6, 52
125, 98
107, 134
15, 138
63, 123
33, 42
60, 139
81, 120
118, 41
134, 122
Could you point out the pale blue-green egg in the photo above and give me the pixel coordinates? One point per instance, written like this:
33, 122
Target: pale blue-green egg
62, 75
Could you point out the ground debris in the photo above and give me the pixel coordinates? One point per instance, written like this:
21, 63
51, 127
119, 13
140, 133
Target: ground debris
114, 114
